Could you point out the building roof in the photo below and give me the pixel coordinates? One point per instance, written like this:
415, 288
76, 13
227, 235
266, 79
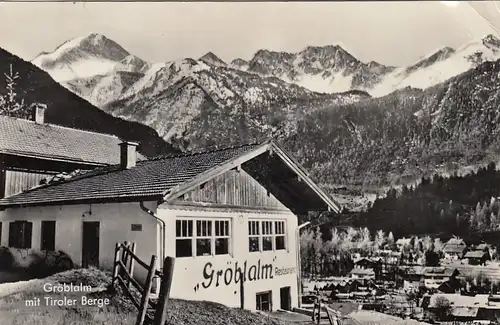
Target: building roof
362, 271
20, 137
475, 254
464, 311
166, 178
454, 248
455, 241
482, 246
439, 270
414, 270
403, 241
457, 301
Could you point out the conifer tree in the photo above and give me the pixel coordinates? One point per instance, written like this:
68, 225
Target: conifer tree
9, 103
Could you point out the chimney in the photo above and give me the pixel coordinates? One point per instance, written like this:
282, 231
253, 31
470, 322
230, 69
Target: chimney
128, 154
40, 113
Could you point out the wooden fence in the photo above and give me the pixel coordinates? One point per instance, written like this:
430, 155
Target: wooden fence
332, 315
151, 310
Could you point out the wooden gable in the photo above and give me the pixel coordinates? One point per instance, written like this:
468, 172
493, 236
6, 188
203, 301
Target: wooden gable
234, 188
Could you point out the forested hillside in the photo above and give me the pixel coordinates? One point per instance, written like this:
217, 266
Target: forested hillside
461, 205
406, 135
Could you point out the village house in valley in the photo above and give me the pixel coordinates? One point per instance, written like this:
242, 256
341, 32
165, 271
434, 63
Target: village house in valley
227, 215
31, 151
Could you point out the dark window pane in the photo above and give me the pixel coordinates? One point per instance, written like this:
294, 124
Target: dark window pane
208, 228
48, 235
280, 242
203, 247
221, 246
253, 244
199, 228
177, 228
20, 233
183, 247
218, 227
267, 243
27, 234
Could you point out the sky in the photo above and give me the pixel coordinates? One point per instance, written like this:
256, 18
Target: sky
394, 33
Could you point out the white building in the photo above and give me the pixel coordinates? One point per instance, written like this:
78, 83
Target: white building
221, 213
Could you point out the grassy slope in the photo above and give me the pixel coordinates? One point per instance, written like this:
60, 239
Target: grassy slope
120, 312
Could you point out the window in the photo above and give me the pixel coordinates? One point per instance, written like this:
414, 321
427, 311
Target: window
265, 235
20, 233
202, 237
48, 235
264, 301
254, 238
184, 238
279, 237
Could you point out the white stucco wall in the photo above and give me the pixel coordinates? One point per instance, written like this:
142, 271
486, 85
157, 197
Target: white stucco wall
115, 226
189, 282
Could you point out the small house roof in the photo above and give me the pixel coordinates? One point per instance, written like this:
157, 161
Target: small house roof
403, 241
482, 246
464, 311
454, 248
475, 254
362, 271
439, 270
20, 137
455, 241
415, 270
457, 300
166, 178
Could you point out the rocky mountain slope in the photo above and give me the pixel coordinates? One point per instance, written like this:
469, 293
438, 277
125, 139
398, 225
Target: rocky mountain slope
440, 66
319, 68
184, 96
403, 136
208, 104
332, 69
67, 109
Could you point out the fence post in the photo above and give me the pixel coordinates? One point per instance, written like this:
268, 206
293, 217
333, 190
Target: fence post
126, 246
166, 282
319, 310
147, 290
115, 265
131, 265
314, 310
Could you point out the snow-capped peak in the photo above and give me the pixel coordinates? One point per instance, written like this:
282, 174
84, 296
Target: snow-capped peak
86, 56
211, 59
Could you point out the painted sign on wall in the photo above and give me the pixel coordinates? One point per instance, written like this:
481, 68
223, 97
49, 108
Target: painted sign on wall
241, 272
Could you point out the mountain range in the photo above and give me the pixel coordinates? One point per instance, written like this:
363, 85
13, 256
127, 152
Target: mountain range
67, 109
84, 62
358, 127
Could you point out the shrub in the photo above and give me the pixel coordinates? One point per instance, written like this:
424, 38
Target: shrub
6, 258
36, 263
